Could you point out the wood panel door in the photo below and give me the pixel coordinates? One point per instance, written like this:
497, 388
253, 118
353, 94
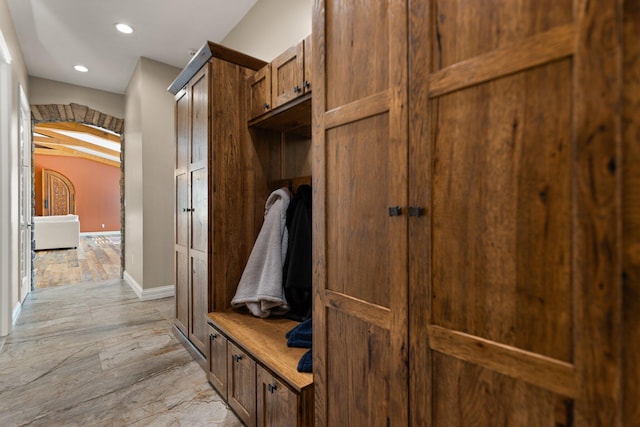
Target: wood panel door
276, 405
199, 239
287, 75
218, 361
259, 87
181, 215
242, 384
515, 278
58, 194
360, 223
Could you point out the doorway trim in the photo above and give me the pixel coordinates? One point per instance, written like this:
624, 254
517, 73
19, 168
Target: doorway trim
8, 190
82, 114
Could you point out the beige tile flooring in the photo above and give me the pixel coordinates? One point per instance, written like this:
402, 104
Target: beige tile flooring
92, 354
97, 258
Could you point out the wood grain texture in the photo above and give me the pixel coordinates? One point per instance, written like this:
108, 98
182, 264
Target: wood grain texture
259, 88
372, 105
308, 64
420, 169
367, 312
319, 107
264, 340
360, 167
461, 30
287, 75
484, 398
276, 404
242, 384
501, 211
554, 375
356, 51
631, 212
539, 49
597, 273
217, 362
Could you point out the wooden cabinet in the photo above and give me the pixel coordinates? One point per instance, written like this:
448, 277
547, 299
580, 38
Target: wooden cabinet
277, 405
308, 65
218, 375
210, 118
263, 386
241, 392
286, 78
287, 75
479, 173
259, 87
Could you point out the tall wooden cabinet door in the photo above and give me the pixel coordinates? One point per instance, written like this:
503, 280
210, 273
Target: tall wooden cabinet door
276, 404
199, 210
515, 276
181, 216
360, 166
259, 87
242, 384
287, 75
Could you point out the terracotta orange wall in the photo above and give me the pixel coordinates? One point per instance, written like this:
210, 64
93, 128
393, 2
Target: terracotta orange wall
97, 190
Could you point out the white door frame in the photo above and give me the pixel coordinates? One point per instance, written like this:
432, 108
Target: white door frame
25, 194
8, 165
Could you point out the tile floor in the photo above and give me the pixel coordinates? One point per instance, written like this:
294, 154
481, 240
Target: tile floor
92, 354
96, 259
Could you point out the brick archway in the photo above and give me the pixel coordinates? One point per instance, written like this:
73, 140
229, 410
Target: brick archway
82, 114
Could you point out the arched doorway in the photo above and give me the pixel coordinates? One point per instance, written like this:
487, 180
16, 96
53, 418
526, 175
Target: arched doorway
85, 115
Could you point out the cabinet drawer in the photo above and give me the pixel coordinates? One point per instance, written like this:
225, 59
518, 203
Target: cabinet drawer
241, 390
218, 361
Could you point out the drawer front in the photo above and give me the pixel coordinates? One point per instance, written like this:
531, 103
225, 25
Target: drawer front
218, 361
241, 390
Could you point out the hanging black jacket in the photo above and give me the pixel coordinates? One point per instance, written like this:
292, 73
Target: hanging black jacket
296, 272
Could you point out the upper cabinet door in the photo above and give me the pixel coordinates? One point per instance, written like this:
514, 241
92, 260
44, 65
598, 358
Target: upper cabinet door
259, 87
308, 64
287, 75
359, 212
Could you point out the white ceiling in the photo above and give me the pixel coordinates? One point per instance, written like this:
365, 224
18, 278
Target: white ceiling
55, 35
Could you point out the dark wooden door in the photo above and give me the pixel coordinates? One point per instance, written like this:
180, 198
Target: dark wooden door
515, 283
360, 237
58, 194
199, 208
182, 206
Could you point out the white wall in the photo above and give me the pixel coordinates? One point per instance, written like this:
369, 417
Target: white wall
149, 165
270, 27
44, 91
16, 75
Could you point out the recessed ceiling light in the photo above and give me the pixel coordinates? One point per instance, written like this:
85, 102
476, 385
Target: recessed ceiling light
80, 68
124, 28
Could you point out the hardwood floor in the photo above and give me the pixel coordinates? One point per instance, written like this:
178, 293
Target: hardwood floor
96, 259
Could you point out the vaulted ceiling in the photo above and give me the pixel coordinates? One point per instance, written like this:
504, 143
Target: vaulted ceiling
77, 140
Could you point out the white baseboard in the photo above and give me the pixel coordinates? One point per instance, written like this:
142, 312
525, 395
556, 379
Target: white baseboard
17, 309
148, 294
